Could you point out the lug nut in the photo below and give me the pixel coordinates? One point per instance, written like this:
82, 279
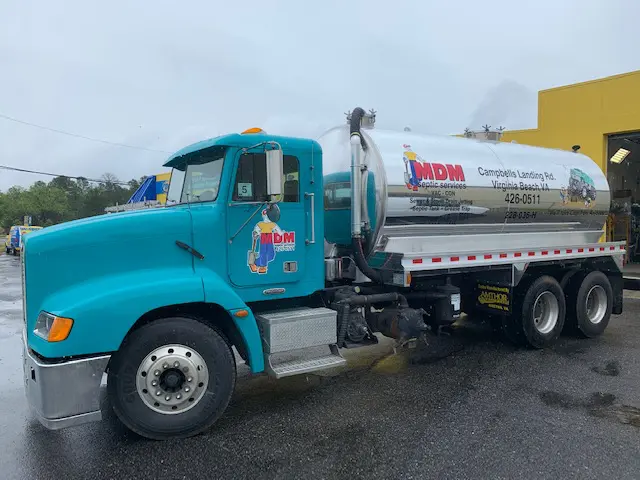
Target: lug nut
186, 389
189, 379
167, 398
154, 383
185, 369
165, 366
176, 364
158, 393
178, 396
156, 373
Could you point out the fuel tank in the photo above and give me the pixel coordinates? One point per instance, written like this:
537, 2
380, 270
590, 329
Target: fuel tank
460, 186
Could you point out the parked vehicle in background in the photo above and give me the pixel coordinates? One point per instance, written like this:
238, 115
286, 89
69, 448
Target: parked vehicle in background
290, 249
16, 234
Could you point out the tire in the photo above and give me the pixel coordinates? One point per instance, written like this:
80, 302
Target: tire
205, 372
542, 297
584, 317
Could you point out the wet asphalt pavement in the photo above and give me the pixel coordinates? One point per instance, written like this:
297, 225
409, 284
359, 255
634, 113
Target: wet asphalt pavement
478, 408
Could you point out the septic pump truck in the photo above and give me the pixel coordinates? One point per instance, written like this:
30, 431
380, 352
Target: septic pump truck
290, 252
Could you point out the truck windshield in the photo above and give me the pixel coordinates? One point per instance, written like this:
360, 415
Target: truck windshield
196, 180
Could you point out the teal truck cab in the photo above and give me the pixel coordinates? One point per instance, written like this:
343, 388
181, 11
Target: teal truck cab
292, 249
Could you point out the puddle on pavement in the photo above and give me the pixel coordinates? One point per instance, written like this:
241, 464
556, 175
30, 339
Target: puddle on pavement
610, 369
598, 404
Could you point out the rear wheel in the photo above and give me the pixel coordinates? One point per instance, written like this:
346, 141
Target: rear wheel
589, 307
539, 314
171, 378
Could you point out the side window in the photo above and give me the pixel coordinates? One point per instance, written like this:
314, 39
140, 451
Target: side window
337, 196
251, 179
291, 173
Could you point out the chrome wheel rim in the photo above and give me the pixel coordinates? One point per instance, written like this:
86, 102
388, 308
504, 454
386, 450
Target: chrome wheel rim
596, 304
545, 312
172, 379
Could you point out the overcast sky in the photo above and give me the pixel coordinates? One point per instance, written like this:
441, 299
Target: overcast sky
161, 74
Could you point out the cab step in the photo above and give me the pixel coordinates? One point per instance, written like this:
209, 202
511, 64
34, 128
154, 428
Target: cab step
291, 339
305, 365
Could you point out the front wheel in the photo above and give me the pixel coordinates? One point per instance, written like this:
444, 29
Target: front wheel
172, 378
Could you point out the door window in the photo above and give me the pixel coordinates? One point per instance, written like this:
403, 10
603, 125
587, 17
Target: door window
251, 179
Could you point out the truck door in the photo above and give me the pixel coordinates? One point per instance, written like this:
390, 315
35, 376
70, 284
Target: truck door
264, 249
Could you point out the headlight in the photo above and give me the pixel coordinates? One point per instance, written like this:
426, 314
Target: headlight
52, 328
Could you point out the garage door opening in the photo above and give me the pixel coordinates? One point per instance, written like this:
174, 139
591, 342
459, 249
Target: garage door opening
623, 174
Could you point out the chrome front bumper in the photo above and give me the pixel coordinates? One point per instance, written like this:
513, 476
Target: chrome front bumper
63, 394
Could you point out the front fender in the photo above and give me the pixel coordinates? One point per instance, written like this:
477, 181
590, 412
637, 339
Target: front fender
218, 291
106, 308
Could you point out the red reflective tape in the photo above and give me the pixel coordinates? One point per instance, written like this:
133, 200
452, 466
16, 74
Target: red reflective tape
531, 254
611, 248
417, 260
592, 249
621, 247
556, 252
503, 255
517, 254
545, 252
602, 249
471, 257
436, 260
569, 250
488, 256
455, 259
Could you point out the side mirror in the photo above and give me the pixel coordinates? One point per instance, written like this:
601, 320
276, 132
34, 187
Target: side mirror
275, 168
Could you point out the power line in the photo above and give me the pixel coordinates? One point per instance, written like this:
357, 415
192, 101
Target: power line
6, 167
62, 132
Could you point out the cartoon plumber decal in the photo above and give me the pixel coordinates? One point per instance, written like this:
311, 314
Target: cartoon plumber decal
268, 239
410, 158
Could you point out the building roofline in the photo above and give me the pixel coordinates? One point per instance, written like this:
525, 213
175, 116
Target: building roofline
587, 82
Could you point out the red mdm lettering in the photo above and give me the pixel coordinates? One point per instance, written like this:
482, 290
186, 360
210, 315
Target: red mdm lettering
439, 171
423, 171
289, 237
456, 173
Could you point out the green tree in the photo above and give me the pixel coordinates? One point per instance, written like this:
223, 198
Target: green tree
62, 199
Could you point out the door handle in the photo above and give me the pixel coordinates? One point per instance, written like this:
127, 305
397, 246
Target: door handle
312, 196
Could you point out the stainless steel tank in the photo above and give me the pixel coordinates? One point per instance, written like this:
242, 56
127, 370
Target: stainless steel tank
461, 186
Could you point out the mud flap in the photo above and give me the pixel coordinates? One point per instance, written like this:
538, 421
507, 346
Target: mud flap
493, 298
617, 285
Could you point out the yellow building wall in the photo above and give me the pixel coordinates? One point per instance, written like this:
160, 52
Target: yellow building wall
584, 114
